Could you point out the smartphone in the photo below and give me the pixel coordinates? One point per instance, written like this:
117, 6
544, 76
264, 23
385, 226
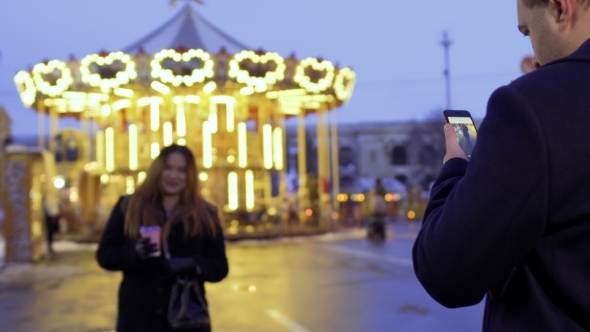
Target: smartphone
464, 128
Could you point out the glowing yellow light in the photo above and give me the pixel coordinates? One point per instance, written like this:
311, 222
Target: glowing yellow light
181, 141
133, 151
141, 177
198, 75
180, 121
120, 104
203, 176
155, 150
249, 190
59, 182
74, 194
232, 191
209, 87
388, 197
121, 77
242, 145
308, 212
344, 83
129, 185
63, 82
251, 288
230, 116
207, 147
144, 101
192, 99
360, 197
100, 149
231, 159
411, 214
121, 92
306, 82
105, 110
342, 197
154, 115
161, 88
167, 133
267, 145
110, 149
26, 88
247, 90
270, 77
104, 178
278, 148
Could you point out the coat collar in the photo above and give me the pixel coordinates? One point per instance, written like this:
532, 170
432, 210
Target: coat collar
581, 54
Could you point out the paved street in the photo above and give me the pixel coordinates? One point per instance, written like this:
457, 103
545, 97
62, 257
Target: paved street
326, 283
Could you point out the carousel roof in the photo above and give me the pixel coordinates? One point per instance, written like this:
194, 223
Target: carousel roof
189, 30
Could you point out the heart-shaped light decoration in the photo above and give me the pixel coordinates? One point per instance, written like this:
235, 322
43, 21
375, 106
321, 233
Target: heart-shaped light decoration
257, 70
314, 76
108, 71
53, 78
26, 87
196, 61
344, 83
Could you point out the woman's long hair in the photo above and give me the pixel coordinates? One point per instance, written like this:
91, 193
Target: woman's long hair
145, 205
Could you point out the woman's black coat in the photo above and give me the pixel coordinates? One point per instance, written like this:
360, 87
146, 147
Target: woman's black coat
146, 287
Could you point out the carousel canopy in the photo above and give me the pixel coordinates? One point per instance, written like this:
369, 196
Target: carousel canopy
187, 29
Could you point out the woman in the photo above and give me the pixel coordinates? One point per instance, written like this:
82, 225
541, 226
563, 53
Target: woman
169, 198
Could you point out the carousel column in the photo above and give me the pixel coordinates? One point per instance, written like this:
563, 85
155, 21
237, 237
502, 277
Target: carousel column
302, 193
155, 127
53, 129
41, 124
323, 164
265, 131
335, 163
280, 139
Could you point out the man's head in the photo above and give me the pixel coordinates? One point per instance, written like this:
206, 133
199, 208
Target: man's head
556, 27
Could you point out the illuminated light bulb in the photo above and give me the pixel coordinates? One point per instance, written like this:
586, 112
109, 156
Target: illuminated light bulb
249, 190
232, 191
192, 99
203, 176
100, 147
167, 128
120, 104
209, 87
129, 185
110, 149
181, 141
121, 92
154, 115
141, 177
278, 148
242, 145
207, 146
133, 147
231, 159
267, 145
155, 150
104, 178
180, 121
105, 110
246, 91
161, 88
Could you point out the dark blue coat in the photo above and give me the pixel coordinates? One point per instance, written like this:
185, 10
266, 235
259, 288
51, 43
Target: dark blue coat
514, 222
144, 293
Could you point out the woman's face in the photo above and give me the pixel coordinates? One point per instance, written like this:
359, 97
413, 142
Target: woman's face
173, 177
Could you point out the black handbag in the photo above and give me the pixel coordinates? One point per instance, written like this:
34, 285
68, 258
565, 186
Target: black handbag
187, 308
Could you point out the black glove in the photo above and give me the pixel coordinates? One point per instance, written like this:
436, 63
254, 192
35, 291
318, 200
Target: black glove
143, 248
177, 265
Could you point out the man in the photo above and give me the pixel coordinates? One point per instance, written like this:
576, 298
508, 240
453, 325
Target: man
513, 224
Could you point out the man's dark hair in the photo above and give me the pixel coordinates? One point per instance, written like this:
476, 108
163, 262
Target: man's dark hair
536, 3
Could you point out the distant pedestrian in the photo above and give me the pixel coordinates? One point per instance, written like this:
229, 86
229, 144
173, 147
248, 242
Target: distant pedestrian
168, 198
51, 217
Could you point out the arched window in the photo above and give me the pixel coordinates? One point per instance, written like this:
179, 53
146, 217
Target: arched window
346, 156
399, 156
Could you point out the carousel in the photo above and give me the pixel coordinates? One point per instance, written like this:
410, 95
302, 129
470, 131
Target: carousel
189, 83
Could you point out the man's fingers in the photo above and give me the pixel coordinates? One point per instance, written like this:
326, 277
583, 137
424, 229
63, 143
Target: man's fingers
453, 148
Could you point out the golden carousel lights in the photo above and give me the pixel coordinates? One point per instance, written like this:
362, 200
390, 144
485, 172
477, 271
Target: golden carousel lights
116, 64
53, 78
26, 87
314, 75
344, 84
270, 66
190, 58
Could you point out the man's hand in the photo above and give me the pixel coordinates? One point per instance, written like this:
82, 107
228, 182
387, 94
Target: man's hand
453, 148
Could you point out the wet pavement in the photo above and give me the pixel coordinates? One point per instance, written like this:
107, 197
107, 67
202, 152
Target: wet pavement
335, 282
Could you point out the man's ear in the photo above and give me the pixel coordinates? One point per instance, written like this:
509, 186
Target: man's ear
562, 11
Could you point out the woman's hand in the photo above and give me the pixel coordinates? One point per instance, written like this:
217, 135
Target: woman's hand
144, 248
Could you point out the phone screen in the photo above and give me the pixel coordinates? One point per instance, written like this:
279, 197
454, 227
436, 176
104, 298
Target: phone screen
466, 132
